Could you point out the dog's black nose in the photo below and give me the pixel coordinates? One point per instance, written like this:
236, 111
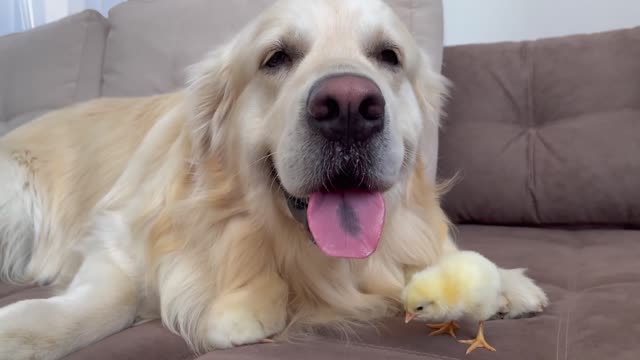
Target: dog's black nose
346, 107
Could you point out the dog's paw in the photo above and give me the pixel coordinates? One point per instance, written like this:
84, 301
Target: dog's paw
19, 345
521, 296
235, 327
249, 315
24, 337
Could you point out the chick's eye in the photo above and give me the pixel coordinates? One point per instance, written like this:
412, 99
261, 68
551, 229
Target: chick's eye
277, 60
420, 308
389, 57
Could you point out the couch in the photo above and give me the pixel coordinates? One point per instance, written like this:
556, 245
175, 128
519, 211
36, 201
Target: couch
543, 136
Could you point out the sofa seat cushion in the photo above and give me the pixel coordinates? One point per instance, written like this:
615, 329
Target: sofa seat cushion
591, 276
49, 67
544, 132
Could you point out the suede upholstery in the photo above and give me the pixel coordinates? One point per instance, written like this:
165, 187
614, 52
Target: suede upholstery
49, 67
593, 287
149, 38
545, 135
545, 132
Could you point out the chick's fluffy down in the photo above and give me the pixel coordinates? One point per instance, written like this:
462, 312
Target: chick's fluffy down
463, 284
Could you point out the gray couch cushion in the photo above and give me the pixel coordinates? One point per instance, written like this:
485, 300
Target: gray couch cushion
545, 132
152, 41
50, 67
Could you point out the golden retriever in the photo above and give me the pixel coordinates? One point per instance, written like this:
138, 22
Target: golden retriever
282, 189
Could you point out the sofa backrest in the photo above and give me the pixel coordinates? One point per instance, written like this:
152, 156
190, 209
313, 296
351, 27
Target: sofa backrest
51, 66
544, 132
152, 41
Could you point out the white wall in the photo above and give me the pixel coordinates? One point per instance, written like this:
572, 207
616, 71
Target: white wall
478, 21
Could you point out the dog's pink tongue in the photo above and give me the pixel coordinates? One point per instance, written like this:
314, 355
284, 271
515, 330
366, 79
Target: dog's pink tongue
346, 224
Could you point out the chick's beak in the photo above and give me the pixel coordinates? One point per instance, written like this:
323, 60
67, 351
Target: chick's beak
408, 317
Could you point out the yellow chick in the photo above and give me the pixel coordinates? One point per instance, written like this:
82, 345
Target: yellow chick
463, 284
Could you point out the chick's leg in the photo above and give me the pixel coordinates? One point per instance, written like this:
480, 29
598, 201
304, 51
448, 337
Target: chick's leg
479, 341
444, 328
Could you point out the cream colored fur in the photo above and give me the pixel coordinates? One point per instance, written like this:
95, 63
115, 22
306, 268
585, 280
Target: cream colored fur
161, 207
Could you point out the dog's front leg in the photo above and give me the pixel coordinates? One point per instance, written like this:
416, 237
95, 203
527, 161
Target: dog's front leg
100, 301
250, 314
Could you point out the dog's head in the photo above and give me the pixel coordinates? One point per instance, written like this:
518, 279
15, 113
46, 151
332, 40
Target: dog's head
321, 105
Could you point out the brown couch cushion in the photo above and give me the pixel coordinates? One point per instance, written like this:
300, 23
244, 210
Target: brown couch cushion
146, 341
49, 67
593, 287
545, 132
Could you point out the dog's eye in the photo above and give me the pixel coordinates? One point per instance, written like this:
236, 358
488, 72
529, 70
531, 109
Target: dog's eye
389, 57
420, 308
277, 60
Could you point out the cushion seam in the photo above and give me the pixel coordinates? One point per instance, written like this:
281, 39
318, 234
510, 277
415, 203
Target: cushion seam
4, 107
174, 58
412, 8
531, 134
87, 25
605, 286
103, 57
570, 304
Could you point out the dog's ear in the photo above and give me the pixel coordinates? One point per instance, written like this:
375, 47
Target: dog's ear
431, 88
210, 97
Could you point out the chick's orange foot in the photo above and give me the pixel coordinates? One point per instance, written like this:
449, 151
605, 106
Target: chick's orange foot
444, 328
479, 341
